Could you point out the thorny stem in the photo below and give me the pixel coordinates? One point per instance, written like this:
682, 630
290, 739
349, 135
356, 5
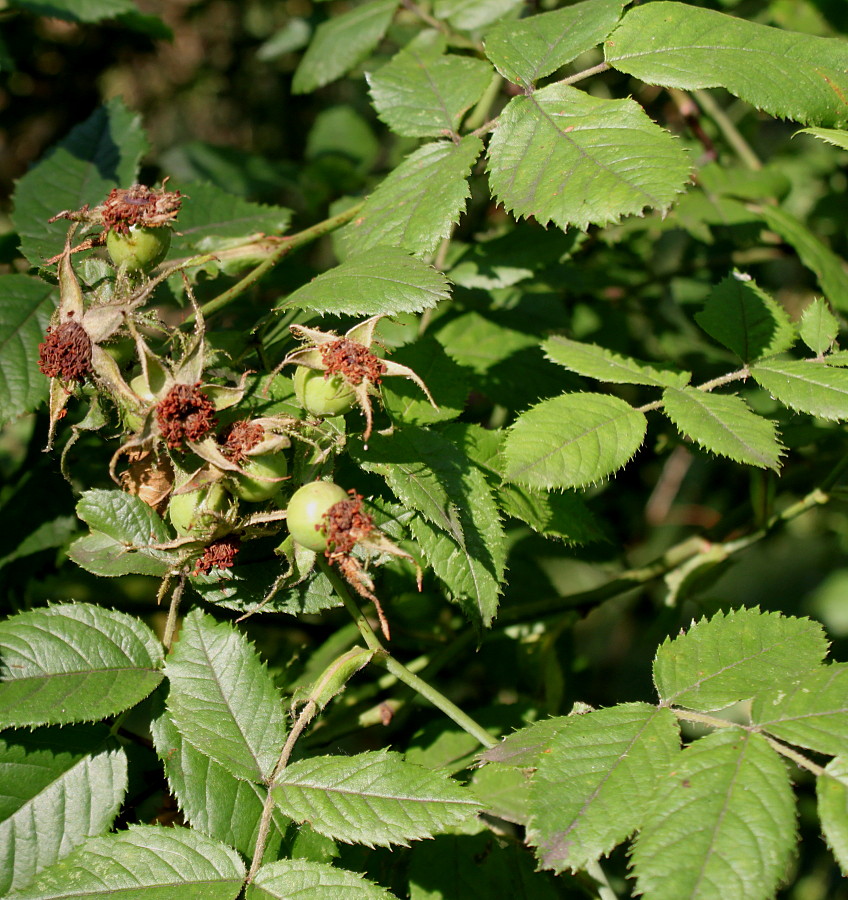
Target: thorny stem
396, 668
306, 715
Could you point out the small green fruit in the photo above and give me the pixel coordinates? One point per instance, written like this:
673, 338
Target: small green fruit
321, 396
306, 510
141, 250
194, 512
255, 486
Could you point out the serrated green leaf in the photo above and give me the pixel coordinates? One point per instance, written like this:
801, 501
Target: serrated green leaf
124, 528
503, 791
480, 344
143, 862
468, 15
745, 319
816, 256
563, 156
812, 713
524, 747
787, 74
53, 533
809, 386
722, 823
375, 799
341, 42
415, 206
211, 219
222, 698
594, 783
830, 135
735, 656
724, 424
381, 280
818, 327
423, 92
536, 46
832, 795
74, 663
572, 440
101, 153
26, 305
461, 533
211, 799
77, 10
290, 878
593, 361
405, 402
57, 788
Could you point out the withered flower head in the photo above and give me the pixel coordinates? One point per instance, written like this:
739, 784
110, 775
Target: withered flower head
139, 205
185, 414
219, 554
65, 352
240, 438
345, 524
353, 360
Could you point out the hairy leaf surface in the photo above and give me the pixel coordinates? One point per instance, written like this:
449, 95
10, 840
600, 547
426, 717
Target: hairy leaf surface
563, 156
74, 663
734, 656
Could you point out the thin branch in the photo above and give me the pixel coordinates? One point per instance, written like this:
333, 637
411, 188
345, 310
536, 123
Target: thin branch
731, 133
171, 623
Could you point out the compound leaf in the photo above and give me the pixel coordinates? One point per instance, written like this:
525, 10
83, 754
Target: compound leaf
289, 878
724, 424
593, 361
563, 156
572, 440
375, 799
99, 154
342, 42
722, 823
57, 788
532, 48
423, 92
145, 861
818, 327
222, 698
595, 781
812, 713
809, 387
785, 73
26, 305
381, 280
832, 794
734, 656
415, 206
74, 662
742, 317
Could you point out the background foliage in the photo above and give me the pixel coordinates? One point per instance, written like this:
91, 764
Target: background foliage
610, 238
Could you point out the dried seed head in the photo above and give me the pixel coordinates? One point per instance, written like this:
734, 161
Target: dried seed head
355, 361
218, 554
139, 205
240, 438
185, 414
345, 525
65, 352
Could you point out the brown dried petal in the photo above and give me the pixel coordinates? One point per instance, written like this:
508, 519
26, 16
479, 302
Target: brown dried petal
218, 554
185, 414
65, 352
240, 438
139, 205
355, 361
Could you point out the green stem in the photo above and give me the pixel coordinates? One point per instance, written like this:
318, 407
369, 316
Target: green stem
731, 133
480, 113
396, 668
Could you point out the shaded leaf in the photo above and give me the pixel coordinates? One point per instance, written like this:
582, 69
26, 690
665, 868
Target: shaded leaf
99, 154
734, 656
806, 386
289, 878
381, 280
77, 10
468, 15
341, 42
785, 73
145, 861
812, 713
572, 440
416, 204
818, 328
832, 794
745, 319
830, 135
563, 156
74, 663
423, 92
26, 305
595, 781
375, 799
222, 698
531, 48
722, 823
57, 788
724, 424
525, 747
